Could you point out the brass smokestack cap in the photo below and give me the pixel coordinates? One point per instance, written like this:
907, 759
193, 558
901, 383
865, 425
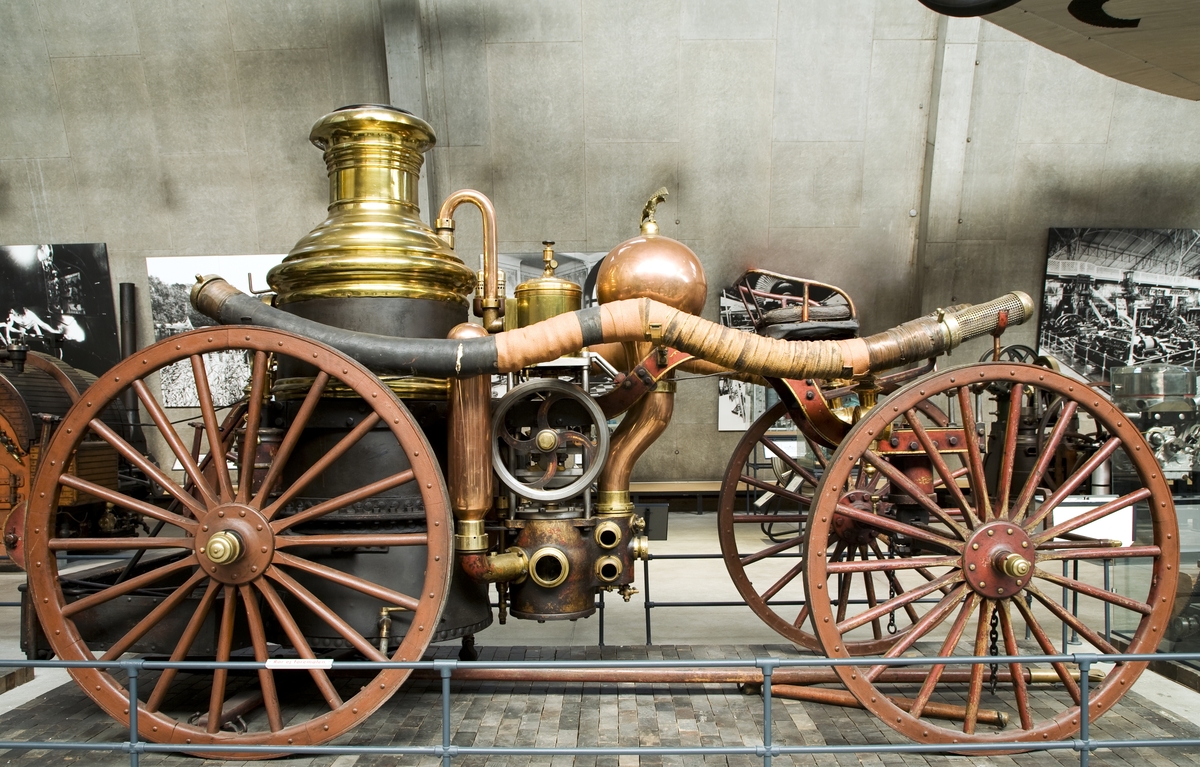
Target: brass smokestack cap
374, 243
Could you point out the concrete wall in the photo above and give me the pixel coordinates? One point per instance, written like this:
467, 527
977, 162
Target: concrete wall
174, 128
842, 141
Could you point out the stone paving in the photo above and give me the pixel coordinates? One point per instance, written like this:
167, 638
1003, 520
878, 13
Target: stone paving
544, 715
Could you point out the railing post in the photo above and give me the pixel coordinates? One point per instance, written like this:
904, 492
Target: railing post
132, 667
600, 609
1107, 606
1085, 668
445, 667
646, 596
768, 667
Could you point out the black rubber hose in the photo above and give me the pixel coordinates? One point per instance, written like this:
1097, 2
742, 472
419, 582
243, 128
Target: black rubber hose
968, 8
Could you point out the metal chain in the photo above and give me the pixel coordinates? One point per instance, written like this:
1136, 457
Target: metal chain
994, 649
891, 626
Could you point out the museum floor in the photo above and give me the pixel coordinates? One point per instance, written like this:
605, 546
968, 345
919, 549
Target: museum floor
526, 714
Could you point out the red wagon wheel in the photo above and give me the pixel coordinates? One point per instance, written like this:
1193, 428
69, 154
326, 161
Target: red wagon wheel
996, 543
766, 493
230, 564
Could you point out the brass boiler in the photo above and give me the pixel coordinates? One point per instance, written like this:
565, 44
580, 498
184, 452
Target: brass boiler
374, 266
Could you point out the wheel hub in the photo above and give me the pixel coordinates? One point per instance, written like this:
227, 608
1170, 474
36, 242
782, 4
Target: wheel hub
847, 530
998, 559
235, 544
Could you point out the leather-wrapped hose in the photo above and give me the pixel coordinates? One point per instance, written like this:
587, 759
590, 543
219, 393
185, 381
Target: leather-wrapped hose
636, 319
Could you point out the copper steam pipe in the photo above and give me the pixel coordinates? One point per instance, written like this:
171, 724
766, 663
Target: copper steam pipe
645, 421
490, 304
469, 475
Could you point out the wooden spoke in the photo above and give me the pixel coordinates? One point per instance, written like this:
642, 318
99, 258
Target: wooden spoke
258, 383
943, 470
872, 601
128, 452
947, 649
1043, 462
212, 429
1015, 670
382, 593
789, 461
787, 578
1088, 517
125, 587
327, 615
979, 488
801, 616
112, 544
1123, 552
299, 643
975, 689
319, 467
903, 599
927, 575
906, 563
1074, 481
961, 471
266, 677
186, 640
1094, 591
895, 582
343, 500
927, 623
1008, 453
353, 540
844, 588
775, 488
1039, 634
291, 439
1075, 623
125, 502
900, 480
893, 525
216, 699
154, 617
190, 467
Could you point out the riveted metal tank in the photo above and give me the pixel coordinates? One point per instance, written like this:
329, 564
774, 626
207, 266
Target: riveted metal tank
373, 265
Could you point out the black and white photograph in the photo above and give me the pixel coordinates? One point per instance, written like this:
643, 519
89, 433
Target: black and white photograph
739, 403
170, 281
57, 299
1119, 297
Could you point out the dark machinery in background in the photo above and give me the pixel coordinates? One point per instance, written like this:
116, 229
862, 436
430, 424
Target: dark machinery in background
348, 505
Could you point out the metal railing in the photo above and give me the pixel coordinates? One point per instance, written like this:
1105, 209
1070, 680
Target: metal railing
1084, 744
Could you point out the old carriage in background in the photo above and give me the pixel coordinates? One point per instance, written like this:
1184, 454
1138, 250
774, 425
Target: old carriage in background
354, 511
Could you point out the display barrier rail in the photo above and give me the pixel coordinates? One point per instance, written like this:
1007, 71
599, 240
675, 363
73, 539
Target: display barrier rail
1084, 745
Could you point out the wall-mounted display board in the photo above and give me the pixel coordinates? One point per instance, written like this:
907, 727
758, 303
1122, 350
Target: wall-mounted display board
170, 281
58, 300
1119, 297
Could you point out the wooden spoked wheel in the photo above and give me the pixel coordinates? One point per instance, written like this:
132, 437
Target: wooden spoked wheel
761, 519
997, 548
227, 569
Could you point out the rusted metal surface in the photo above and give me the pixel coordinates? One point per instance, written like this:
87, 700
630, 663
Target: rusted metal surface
629, 387
231, 545
847, 700
984, 560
